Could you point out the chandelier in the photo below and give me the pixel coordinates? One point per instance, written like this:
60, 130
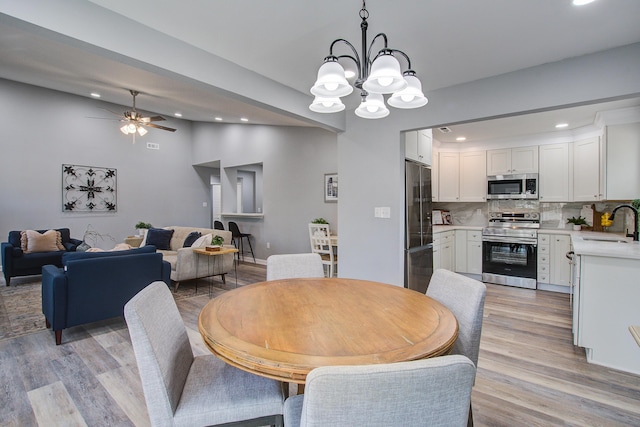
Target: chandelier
376, 76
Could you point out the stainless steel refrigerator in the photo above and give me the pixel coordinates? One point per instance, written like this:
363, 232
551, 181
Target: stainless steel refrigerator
418, 228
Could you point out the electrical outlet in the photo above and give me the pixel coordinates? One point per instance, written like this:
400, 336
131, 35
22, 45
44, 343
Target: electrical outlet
268, 245
153, 146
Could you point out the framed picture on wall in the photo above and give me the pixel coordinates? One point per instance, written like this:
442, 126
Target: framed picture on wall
330, 187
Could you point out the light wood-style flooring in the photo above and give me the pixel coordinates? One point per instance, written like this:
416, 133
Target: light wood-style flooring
529, 372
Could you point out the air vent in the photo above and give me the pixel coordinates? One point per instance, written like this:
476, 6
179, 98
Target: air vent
444, 129
153, 146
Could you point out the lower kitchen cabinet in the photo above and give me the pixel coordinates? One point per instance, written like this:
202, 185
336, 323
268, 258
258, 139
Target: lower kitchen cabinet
468, 247
444, 250
553, 265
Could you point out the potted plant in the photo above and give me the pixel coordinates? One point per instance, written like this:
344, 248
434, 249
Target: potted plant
141, 226
319, 221
216, 243
577, 222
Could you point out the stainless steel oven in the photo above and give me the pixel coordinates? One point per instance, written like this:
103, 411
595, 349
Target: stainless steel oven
510, 249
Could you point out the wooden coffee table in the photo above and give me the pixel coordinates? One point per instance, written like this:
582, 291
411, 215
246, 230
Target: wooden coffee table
283, 329
213, 255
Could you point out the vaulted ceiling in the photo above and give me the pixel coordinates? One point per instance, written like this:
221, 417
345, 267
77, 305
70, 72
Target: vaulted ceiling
449, 43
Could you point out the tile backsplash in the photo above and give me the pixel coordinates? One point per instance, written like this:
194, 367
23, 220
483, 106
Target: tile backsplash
552, 215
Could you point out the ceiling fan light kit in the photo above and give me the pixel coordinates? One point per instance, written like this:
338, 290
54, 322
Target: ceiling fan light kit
376, 76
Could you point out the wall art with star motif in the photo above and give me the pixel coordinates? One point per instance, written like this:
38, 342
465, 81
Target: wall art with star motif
88, 189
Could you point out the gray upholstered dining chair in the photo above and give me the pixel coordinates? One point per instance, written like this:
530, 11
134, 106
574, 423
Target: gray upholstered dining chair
294, 266
426, 392
464, 296
183, 390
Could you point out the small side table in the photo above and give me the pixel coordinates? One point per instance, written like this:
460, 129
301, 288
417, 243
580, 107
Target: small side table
133, 241
209, 255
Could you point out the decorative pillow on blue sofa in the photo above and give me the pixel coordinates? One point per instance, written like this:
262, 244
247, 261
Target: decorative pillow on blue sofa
192, 237
160, 238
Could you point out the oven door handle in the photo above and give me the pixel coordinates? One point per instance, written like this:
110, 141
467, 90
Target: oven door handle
509, 240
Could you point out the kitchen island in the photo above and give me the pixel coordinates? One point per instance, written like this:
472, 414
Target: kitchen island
606, 294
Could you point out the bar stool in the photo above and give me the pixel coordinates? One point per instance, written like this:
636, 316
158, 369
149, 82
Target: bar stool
237, 239
218, 225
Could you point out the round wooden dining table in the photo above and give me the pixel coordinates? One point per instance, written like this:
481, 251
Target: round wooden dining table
283, 329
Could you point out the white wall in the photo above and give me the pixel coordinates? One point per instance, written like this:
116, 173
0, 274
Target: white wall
294, 163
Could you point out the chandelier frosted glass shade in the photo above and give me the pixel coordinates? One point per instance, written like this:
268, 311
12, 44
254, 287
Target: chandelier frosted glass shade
409, 97
372, 107
385, 75
331, 82
326, 105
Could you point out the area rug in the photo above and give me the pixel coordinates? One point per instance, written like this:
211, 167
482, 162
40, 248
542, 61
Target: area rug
21, 303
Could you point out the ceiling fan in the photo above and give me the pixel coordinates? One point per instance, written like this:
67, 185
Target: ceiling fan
135, 122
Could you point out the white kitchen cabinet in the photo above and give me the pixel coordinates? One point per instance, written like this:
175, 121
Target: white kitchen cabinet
608, 294
449, 177
436, 252
553, 266
444, 250
622, 155
473, 176
587, 170
462, 176
560, 273
461, 251
417, 146
474, 252
434, 177
468, 251
553, 180
512, 160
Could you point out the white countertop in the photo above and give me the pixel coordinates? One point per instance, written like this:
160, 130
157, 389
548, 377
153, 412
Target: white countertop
579, 239
613, 249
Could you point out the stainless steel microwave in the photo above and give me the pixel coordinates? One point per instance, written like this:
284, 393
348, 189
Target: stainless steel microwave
520, 186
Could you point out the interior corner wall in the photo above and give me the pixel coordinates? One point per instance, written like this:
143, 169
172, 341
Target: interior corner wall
294, 161
43, 129
371, 157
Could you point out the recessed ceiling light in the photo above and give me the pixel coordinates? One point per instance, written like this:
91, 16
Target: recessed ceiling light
461, 138
582, 2
218, 119
244, 119
95, 94
562, 125
177, 114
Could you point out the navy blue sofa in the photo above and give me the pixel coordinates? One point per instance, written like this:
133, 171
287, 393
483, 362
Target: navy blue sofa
16, 263
93, 286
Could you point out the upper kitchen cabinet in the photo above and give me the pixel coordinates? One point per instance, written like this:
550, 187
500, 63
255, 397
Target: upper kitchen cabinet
553, 185
623, 160
473, 176
462, 177
587, 170
449, 177
417, 146
512, 160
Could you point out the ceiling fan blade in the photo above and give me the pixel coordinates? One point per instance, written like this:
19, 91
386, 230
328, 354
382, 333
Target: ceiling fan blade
103, 118
151, 125
155, 118
112, 112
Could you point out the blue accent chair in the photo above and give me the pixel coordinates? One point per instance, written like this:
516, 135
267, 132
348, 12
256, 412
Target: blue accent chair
16, 263
93, 286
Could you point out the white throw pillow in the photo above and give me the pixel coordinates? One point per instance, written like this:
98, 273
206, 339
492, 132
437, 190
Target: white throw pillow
144, 238
202, 241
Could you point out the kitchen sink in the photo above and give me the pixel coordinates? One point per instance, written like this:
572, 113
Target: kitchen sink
598, 239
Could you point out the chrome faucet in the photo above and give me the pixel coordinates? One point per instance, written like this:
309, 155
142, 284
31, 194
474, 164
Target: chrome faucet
635, 219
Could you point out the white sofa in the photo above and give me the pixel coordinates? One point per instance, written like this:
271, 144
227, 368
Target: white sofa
183, 260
